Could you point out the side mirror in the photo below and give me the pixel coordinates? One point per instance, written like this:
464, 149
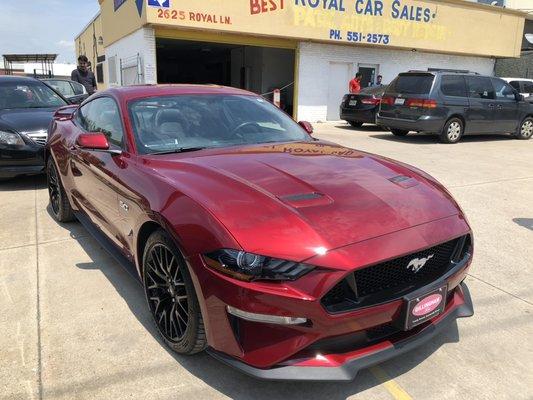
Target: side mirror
93, 141
65, 113
518, 97
307, 126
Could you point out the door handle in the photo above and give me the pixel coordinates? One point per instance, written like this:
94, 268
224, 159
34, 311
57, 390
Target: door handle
500, 106
491, 105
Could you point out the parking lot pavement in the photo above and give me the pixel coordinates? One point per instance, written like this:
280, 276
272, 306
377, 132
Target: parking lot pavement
75, 325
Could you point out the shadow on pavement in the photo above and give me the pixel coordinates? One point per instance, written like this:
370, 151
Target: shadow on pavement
23, 183
420, 138
219, 376
525, 222
364, 128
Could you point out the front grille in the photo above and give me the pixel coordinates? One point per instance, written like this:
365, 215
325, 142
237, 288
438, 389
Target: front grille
39, 137
394, 278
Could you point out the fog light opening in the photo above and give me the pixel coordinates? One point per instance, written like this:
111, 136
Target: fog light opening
269, 319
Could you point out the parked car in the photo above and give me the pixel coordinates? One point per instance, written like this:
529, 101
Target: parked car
521, 85
74, 92
453, 104
26, 110
240, 227
357, 109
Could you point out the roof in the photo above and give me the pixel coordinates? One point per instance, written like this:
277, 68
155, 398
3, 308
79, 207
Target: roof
27, 58
17, 79
140, 91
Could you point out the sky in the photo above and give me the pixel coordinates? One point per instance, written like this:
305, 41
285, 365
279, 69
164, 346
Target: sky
43, 26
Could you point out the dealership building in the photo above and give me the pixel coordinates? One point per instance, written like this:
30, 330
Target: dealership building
309, 49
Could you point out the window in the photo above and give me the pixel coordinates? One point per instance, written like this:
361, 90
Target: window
515, 84
480, 87
102, 115
412, 84
78, 88
112, 65
189, 121
503, 90
62, 87
453, 85
28, 94
100, 73
528, 87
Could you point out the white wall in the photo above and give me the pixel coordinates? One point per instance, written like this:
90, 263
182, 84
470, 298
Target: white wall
140, 42
314, 68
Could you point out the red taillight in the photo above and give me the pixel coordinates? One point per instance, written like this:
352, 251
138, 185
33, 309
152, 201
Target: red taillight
370, 100
422, 103
387, 100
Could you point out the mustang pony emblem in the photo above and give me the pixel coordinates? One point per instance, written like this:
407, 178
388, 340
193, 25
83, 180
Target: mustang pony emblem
417, 263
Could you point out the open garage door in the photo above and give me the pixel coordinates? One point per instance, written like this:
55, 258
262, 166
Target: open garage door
254, 68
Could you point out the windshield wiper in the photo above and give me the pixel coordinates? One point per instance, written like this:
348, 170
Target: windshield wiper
178, 150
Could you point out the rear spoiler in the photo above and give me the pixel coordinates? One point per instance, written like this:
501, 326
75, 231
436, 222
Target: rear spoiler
65, 113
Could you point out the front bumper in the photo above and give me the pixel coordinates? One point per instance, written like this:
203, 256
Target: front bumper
22, 160
426, 124
460, 307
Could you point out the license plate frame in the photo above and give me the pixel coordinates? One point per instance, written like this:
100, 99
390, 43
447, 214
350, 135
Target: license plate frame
427, 309
399, 102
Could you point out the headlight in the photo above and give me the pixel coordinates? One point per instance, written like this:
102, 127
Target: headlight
10, 138
250, 267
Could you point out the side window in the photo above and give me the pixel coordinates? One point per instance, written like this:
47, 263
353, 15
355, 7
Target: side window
78, 88
516, 85
528, 87
62, 87
453, 85
480, 88
503, 90
102, 115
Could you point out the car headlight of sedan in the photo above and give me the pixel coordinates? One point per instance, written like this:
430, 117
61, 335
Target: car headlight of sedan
251, 267
10, 138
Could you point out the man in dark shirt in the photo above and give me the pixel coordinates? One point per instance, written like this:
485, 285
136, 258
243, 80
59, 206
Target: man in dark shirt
83, 75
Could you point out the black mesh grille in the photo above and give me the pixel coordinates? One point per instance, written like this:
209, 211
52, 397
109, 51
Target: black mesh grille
390, 279
405, 270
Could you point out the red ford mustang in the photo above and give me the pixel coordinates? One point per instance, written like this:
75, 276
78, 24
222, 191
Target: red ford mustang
287, 257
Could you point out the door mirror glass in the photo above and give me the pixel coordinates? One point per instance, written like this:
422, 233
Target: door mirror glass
307, 126
93, 141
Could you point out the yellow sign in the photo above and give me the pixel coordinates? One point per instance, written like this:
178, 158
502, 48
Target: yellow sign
450, 26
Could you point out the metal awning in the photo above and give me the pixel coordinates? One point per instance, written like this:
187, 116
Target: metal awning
46, 61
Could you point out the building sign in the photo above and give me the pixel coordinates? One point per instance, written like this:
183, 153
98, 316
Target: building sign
410, 24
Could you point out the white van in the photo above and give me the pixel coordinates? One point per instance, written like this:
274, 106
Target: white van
523, 85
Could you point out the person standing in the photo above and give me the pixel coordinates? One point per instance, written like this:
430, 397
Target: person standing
379, 80
355, 83
83, 75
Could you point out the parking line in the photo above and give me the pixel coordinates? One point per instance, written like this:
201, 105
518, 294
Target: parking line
390, 384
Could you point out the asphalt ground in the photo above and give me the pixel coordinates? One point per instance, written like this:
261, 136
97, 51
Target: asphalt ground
74, 324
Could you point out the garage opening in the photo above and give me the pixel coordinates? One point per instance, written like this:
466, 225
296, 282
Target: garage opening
257, 69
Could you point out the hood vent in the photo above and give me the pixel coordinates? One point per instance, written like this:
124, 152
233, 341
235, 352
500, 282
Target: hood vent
301, 200
404, 181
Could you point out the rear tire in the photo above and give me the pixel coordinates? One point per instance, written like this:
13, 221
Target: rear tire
355, 124
399, 132
171, 297
525, 130
453, 131
59, 202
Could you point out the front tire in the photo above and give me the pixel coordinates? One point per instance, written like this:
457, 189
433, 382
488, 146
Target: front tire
355, 124
525, 130
59, 202
453, 131
399, 132
171, 296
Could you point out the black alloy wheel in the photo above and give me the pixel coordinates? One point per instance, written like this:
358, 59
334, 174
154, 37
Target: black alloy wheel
171, 296
59, 202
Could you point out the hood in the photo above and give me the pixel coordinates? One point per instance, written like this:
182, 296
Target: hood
26, 119
298, 199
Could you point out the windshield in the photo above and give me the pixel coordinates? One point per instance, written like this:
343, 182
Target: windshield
28, 95
165, 124
412, 84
